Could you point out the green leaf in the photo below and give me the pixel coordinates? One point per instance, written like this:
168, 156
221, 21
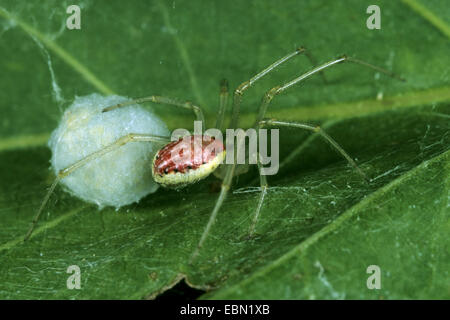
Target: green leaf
320, 226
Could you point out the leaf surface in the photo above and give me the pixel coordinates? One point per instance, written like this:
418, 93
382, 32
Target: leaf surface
320, 227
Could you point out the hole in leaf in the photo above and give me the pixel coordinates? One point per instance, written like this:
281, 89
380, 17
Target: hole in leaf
181, 291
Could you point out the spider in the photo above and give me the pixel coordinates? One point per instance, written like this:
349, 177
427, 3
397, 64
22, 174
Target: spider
200, 166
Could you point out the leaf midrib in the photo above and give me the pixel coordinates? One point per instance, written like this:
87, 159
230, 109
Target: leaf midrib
339, 111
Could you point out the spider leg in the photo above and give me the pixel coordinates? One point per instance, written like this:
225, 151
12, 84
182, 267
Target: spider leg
226, 184
239, 91
323, 134
163, 100
313, 62
268, 97
279, 89
264, 186
315, 129
223, 102
131, 137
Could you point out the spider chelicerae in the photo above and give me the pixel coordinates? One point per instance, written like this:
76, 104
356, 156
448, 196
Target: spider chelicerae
169, 174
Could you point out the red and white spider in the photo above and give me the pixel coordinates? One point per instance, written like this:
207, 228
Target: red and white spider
175, 174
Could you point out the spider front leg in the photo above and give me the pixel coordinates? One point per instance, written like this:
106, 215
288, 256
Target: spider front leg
280, 89
163, 100
131, 137
268, 97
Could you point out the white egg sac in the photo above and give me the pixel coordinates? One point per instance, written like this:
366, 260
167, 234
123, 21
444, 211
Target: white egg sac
120, 177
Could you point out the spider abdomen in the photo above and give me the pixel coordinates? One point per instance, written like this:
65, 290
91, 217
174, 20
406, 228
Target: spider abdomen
187, 160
